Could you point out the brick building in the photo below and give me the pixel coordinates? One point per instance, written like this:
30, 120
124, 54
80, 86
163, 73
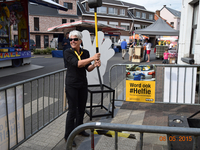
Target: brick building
116, 13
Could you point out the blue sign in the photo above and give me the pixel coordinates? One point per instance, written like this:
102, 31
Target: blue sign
14, 55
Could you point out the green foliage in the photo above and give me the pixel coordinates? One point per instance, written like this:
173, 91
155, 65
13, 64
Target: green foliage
43, 51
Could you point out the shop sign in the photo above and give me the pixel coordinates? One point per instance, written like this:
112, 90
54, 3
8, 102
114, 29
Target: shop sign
14, 55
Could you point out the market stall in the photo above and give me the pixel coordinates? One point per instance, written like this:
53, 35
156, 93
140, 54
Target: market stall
159, 28
138, 54
15, 13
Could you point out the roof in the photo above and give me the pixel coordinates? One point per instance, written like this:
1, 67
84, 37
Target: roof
129, 16
41, 10
173, 11
87, 13
118, 2
160, 27
133, 5
49, 3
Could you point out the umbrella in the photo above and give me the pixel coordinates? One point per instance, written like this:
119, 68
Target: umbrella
85, 24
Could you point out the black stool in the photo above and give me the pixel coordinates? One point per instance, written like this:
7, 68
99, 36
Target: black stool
96, 89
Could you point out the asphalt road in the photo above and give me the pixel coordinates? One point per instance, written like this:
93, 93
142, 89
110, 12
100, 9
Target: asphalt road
53, 64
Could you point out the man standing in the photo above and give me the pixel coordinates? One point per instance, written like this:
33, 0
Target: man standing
124, 47
66, 45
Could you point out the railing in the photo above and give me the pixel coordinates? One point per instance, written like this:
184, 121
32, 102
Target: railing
174, 83
27, 107
133, 128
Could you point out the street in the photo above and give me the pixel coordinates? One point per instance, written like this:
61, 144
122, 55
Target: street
51, 64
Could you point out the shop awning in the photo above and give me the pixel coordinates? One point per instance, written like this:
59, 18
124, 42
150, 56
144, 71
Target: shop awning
85, 24
49, 3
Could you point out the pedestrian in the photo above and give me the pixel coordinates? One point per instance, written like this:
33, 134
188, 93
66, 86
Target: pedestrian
123, 47
138, 74
78, 60
145, 51
119, 41
148, 48
171, 46
135, 43
131, 50
165, 56
66, 45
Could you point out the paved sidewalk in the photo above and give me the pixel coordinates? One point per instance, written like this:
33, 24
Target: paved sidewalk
51, 137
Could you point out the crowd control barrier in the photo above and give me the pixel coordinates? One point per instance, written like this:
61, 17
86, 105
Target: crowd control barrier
27, 107
175, 84
132, 128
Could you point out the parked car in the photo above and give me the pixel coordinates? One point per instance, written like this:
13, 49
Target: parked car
32, 44
147, 70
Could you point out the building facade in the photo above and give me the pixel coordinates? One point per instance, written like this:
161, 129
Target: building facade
115, 13
172, 16
189, 37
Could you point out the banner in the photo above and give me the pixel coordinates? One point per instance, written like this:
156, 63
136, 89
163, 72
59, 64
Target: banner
11, 117
14, 55
140, 83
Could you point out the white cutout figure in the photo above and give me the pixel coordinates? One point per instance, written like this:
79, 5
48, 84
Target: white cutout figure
106, 53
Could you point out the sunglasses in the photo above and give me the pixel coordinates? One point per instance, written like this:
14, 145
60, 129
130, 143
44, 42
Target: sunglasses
75, 39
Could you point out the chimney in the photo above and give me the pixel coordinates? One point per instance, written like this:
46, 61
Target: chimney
164, 5
158, 13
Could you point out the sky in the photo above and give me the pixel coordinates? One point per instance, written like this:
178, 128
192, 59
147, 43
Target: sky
153, 5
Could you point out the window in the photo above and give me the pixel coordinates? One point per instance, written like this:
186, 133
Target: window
194, 28
126, 26
143, 15
137, 14
37, 39
36, 24
143, 26
46, 41
64, 21
150, 17
122, 12
91, 10
137, 26
15, 27
172, 24
102, 10
68, 5
113, 23
72, 20
113, 11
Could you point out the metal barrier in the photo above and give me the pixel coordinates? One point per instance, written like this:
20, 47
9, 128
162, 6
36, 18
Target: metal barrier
27, 107
176, 74
132, 128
